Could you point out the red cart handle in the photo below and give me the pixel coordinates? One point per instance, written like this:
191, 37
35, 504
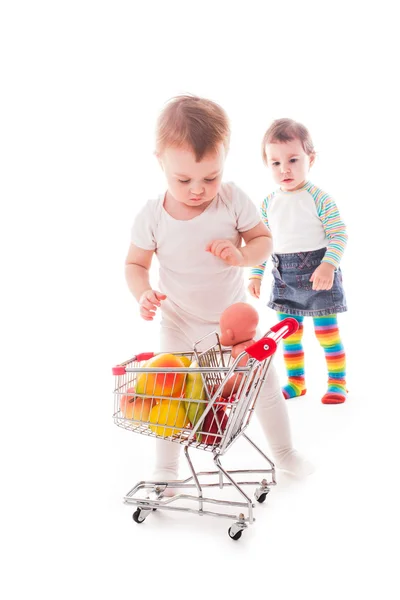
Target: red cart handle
121, 369
265, 347
144, 356
290, 323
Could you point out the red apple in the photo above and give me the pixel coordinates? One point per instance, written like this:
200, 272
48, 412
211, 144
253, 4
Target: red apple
214, 425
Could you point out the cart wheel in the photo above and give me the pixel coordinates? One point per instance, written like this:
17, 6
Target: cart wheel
138, 517
261, 493
261, 499
234, 536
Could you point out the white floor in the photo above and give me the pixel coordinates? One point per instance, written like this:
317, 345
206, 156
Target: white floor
84, 84
66, 467
333, 535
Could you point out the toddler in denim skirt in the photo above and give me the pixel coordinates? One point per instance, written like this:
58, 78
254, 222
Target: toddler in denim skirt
309, 239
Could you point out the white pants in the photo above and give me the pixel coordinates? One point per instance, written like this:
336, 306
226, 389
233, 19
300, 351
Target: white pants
178, 335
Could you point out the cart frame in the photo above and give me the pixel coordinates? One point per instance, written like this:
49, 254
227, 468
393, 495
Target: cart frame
215, 367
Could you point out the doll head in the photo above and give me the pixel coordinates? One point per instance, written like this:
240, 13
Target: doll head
238, 324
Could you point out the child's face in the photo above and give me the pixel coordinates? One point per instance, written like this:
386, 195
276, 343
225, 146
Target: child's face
190, 182
289, 164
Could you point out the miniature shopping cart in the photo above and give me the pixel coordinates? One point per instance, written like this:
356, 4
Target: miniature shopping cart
188, 405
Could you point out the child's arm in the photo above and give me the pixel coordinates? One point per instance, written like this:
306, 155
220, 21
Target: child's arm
257, 273
323, 276
335, 231
254, 287
258, 246
255, 279
137, 265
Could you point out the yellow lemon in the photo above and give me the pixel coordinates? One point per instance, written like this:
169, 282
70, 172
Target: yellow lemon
172, 413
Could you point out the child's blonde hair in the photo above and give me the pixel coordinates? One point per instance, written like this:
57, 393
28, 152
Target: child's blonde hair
193, 122
286, 130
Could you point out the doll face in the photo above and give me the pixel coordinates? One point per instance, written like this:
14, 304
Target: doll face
238, 324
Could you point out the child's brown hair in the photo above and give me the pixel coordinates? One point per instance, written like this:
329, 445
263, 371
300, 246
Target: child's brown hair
194, 122
286, 130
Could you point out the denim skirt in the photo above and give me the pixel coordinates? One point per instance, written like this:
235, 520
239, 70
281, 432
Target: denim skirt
292, 291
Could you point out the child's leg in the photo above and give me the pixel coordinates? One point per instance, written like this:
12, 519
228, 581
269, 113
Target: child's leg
168, 453
293, 356
327, 332
167, 460
176, 335
273, 416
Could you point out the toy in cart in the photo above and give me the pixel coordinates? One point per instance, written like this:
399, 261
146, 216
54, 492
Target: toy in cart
202, 399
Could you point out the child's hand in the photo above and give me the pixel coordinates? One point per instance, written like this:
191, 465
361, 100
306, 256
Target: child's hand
254, 287
322, 277
148, 303
226, 251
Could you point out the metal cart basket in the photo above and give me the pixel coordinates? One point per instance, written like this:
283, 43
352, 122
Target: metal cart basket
203, 399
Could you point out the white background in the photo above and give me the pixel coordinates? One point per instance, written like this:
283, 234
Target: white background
82, 85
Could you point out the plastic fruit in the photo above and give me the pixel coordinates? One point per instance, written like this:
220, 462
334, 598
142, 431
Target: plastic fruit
185, 360
162, 384
135, 408
167, 415
214, 423
194, 391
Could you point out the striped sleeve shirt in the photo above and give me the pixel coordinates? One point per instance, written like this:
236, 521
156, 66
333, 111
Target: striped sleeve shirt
301, 221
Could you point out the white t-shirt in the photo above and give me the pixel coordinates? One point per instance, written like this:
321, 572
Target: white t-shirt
197, 283
295, 223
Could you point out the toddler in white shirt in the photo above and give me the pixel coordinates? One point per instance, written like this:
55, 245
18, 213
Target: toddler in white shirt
203, 232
